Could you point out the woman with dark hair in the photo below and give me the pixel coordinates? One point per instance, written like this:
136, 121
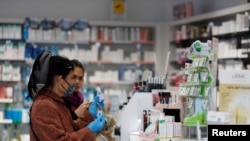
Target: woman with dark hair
76, 99
50, 119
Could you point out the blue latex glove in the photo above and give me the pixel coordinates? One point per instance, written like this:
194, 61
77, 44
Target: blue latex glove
98, 124
99, 101
93, 109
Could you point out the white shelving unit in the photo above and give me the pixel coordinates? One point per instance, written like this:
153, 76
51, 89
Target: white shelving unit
6, 121
126, 46
6, 100
57, 42
218, 17
212, 15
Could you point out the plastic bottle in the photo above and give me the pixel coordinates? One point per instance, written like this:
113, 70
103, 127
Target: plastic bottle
14, 138
145, 88
136, 87
162, 125
15, 134
140, 85
144, 120
7, 111
5, 134
25, 33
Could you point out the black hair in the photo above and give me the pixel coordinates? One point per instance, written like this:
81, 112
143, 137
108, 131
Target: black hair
58, 65
77, 63
44, 69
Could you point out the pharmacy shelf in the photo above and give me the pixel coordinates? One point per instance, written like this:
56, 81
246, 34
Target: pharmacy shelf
217, 16
6, 121
111, 83
123, 42
123, 23
149, 44
12, 39
212, 15
123, 63
57, 42
6, 100
238, 35
12, 60
92, 22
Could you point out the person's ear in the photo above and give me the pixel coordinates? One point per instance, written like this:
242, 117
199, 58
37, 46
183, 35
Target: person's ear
59, 78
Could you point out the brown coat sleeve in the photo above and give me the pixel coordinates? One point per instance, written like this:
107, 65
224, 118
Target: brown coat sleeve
84, 120
51, 123
86, 135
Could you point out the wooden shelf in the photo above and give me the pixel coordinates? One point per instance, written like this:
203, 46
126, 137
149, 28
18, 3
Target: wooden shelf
143, 62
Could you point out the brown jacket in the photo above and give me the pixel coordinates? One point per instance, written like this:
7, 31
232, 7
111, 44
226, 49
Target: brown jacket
51, 120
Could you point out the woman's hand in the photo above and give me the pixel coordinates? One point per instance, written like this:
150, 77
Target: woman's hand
98, 124
82, 108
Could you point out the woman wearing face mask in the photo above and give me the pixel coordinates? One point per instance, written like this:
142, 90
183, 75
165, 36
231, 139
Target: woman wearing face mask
75, 101
50, 119
76, 98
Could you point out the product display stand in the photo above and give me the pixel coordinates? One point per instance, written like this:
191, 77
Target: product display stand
198, 89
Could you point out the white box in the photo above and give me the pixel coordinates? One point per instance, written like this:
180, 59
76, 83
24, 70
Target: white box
215, 117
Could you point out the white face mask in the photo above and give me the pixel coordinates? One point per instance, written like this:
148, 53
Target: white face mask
70, 89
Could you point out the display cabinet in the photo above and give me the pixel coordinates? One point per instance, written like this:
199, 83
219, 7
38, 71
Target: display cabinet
230, 26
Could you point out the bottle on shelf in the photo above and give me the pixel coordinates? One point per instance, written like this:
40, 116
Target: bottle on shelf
141, 89
136, 87
15, 134
144, 84
162, 125
144, 120
7, 111
5, 134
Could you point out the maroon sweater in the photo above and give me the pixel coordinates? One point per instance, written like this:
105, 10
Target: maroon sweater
51, 120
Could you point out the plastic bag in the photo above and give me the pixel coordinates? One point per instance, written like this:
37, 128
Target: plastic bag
106, 133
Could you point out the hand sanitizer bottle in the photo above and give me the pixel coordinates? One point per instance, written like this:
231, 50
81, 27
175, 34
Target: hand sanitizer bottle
162, 125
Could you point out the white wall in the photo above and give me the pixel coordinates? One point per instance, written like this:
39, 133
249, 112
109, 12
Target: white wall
212, 5
200, 6
137, 10
94, 9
